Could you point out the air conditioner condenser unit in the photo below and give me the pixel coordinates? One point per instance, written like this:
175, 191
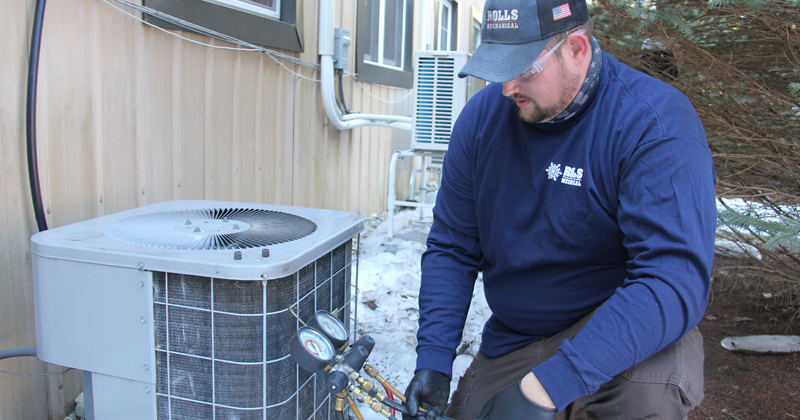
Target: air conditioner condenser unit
185, 309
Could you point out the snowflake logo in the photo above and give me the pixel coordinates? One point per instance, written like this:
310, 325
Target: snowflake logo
554, 171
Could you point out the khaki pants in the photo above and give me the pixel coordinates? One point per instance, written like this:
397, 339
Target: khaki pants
666, 386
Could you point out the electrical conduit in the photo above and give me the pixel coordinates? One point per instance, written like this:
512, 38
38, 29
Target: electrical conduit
327, 14
30, 116
20, 352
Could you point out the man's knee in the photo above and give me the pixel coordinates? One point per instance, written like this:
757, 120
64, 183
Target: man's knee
666, 386
635, 401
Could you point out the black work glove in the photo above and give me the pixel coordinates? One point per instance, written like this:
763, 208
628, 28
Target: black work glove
511, 403
430, 389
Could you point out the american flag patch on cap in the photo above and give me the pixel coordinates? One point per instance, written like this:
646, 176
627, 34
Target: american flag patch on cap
560, 12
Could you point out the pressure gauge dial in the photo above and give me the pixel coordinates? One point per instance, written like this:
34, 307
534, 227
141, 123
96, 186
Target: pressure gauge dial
332, 327
311, 349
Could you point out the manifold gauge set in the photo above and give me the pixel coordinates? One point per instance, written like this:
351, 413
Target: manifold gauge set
321, 346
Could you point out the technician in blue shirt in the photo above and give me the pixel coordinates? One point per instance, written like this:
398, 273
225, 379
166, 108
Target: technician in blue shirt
584, 192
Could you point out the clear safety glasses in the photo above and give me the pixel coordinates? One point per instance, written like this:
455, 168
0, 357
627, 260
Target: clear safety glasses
539, 64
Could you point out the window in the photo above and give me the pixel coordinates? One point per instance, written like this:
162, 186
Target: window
270, 23
269, 8
445, 39
476, 35
383, 47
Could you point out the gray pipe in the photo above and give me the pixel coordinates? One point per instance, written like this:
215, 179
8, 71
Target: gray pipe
23, 351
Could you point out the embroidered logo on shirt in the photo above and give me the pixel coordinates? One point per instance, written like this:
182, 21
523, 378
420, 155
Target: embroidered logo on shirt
554, 171
572, 176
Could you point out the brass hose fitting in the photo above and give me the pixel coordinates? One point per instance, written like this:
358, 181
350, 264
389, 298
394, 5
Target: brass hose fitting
371, 371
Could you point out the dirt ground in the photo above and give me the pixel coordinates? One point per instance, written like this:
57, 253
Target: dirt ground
741, 386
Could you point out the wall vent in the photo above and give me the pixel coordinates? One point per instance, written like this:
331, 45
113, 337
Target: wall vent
439, 95
172, 323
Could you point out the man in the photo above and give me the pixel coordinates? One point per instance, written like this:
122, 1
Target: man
584, 192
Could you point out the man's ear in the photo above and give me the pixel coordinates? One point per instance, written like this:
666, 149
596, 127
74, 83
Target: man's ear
577, 50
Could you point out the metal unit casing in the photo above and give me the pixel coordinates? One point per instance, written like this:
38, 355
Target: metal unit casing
174, 332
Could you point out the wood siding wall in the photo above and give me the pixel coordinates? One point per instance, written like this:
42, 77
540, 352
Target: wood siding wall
129, 115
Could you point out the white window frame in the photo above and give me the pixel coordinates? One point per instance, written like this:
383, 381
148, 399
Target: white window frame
251, 7
476, 35
444, 25
382, 38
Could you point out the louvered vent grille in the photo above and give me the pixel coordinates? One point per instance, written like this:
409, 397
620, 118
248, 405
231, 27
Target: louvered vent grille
434, 100
439, 96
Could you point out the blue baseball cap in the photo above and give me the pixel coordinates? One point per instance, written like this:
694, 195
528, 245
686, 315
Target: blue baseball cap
515, 32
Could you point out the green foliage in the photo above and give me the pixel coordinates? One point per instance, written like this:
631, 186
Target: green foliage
754, 5
649, 17
779, 232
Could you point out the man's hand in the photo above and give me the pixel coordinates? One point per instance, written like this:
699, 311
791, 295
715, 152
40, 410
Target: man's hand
430, 389
511, 403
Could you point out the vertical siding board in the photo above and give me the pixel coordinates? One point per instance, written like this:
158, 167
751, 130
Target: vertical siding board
236, 98
115, 75
97, 110
244, 128
383, 143
140, 117
333, 188
304, 137
299, 164
307, 141
175, 139
16, 221
69, 134
159, 115
220, 138
359, 145
258, 132
285, 144
366, 162
355, 173
208, 164
275, 159
267, 141
193, 119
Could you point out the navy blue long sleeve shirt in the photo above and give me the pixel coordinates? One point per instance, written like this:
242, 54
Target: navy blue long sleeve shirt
612, 210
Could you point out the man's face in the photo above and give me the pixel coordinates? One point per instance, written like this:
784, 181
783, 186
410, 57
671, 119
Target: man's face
546, 95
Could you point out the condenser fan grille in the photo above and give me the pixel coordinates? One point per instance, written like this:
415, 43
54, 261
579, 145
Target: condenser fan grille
211, 228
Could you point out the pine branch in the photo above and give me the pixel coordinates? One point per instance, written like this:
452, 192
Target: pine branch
783, 232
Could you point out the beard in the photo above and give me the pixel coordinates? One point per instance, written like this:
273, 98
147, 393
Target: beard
566, 93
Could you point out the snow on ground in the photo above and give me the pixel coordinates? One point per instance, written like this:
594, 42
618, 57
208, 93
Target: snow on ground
388, 311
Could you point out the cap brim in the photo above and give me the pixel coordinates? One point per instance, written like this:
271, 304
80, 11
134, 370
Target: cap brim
502, 62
